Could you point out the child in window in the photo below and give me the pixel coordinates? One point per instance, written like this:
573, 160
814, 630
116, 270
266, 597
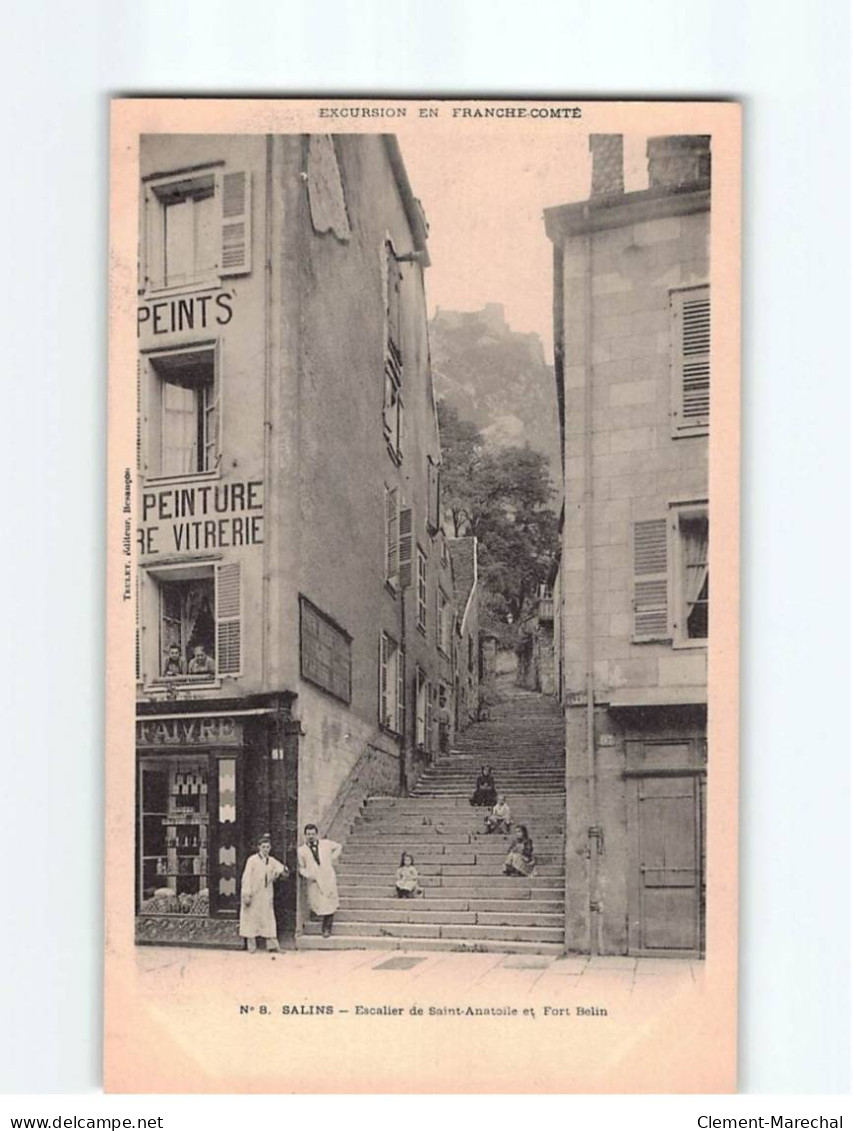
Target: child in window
407, 882
174, 662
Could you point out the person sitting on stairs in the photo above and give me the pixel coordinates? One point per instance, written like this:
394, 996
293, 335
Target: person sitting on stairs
500, 819
485, 791
407, 882
520, 860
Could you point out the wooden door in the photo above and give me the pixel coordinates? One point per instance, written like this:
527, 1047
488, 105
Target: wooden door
667, 891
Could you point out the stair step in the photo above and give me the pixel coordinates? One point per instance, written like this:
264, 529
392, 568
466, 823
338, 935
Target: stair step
371, 891
511, 906
402, 914
485, 869
491, 881
434, 931
478, 946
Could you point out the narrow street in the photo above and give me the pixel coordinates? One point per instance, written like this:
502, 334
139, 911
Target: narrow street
468, 903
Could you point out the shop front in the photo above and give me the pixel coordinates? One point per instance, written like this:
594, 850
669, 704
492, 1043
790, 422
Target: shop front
211, 776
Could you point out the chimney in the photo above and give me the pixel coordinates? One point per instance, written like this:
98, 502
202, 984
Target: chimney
678, 161
607, 178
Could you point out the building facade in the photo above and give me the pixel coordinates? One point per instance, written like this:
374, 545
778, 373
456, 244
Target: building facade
464, 563
295, 597
632, 334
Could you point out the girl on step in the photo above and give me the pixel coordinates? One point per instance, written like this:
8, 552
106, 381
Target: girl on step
499, 820
407, 882
520, 860
485, 791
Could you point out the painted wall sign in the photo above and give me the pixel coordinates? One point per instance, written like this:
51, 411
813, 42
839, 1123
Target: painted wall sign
184, 314
191, 731
202, 516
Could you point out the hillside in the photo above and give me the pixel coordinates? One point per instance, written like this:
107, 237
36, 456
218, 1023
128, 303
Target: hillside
498, 379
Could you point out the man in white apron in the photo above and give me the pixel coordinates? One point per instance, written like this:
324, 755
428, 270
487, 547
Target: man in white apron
317, 859
257, 918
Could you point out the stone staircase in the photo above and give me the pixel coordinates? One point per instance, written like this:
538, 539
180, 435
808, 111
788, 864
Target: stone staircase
468, 903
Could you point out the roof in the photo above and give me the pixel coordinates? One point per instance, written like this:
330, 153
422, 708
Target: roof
618, 209
463, 563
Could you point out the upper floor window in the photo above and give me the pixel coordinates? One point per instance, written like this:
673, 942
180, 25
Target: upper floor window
197, 229
392, 410
180, 433
422, 590
690, 346
392, 683
692, 580
433, 495
189, 623
443, 623
392, 536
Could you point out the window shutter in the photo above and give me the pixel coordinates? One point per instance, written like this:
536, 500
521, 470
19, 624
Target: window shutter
139, 415
433, 488
428, 742
391, 535
405, 547
213, 424
691, 344
651, 619
228, 619
401, 692
393, 282
383, 680
152, 241
236, 249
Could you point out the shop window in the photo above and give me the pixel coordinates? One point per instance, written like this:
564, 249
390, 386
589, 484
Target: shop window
198, 229
391, 685
180, 433
422, 590
690, 312
174, 826
392, 411
325, 652
199, 614
692, 580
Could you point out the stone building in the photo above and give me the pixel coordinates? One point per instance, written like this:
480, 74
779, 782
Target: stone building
632, 334
295, 596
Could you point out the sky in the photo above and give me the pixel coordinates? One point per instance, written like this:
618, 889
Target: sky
484, 197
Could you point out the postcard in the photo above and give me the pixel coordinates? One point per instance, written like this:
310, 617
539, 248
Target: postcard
422, 734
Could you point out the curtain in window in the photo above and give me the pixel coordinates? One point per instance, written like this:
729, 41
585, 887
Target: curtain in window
180, 429
695, 541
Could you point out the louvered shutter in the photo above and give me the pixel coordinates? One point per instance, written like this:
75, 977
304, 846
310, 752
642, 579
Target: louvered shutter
405, 547
139, 415
401, 692
213, 415
394, 336
236, 248
383, 680
228, 619
691, 345
428, 742
651, 619
391, 534
152, 242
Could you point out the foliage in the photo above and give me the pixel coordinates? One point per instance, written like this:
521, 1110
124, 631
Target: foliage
502, 496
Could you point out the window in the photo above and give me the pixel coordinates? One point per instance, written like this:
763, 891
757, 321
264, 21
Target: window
422, 590
325, 652
392, 410
392, 536
421, 706
434, 495
392, 675
198, 229
181, 425
690, 312
691, 582
671, 580
443, 623
198, 613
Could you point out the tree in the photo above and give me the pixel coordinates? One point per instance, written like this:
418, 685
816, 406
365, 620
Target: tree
503, 496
